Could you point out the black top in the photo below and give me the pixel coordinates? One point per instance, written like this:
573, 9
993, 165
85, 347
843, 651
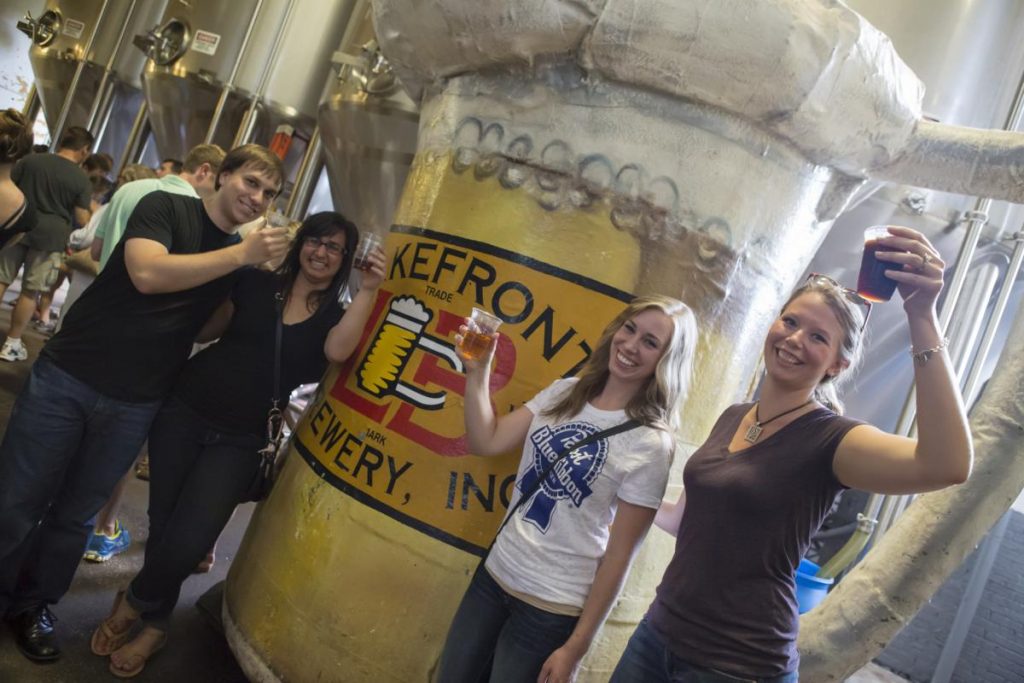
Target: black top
231, 382
728, 600
129, 345
55, 186
22, 220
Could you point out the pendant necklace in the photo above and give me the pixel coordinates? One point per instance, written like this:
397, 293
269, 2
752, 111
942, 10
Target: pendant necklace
754, 430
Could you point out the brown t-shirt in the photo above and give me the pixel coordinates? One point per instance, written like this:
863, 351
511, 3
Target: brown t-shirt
727, 600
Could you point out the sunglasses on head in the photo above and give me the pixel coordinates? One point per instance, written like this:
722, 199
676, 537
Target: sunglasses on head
850, 294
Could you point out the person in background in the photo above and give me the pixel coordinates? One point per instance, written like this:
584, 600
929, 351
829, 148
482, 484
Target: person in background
169, 166
62, 195
17, 215
42, 321
538, 599
86, 409
760, 486
204, 442
98, 165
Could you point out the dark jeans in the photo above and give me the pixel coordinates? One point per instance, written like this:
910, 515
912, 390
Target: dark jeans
65, 448
648, 660
498, 638
197, 475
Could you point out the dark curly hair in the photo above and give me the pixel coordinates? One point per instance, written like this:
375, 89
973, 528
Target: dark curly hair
15, 136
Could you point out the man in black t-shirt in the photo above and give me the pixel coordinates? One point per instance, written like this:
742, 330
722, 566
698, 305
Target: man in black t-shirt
86, 409
61, 193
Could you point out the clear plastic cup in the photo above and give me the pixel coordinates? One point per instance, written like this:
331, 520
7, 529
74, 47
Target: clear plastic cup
481, 330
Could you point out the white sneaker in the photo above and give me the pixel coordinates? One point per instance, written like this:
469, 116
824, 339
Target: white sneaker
13, 351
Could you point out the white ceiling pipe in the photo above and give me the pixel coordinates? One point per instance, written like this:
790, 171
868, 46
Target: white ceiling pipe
813, 72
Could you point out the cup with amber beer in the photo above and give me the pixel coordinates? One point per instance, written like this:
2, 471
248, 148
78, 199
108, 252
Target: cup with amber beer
481, 328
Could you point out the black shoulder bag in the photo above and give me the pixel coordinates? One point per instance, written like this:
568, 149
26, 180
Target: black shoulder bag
526, 495
270, 455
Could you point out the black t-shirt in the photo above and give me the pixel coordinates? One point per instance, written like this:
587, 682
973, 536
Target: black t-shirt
55, 187
231, 382
129, 345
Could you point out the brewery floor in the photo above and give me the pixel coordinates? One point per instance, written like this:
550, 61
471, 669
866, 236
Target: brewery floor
196, 652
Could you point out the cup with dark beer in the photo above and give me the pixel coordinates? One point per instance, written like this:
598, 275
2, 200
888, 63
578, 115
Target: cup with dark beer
481, 328
367, 243
872, 283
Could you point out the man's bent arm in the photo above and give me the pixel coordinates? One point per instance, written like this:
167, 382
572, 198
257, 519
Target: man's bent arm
153, 270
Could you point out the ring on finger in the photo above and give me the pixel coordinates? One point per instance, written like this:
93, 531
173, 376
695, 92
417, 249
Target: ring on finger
926, 258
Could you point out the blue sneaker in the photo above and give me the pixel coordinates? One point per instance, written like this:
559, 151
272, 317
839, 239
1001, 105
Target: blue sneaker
102, 547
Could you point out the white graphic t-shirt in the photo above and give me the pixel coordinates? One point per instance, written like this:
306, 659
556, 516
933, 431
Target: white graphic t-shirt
551, 549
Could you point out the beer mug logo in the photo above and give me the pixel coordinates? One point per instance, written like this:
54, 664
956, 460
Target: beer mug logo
402, 331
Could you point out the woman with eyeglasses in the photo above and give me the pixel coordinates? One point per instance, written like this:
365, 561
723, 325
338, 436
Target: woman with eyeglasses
204, 443
762, 483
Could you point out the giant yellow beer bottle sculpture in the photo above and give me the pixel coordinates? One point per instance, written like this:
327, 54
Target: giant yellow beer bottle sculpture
568, 160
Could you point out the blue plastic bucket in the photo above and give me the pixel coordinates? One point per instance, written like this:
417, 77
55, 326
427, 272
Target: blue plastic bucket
810, 589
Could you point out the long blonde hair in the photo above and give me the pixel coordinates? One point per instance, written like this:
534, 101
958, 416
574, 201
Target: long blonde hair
658, 402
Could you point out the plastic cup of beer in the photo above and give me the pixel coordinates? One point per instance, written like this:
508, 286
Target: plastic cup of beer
872, 282
367, 243
480, 332
276, 219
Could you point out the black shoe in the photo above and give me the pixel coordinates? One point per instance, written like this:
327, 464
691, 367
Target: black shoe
35, 635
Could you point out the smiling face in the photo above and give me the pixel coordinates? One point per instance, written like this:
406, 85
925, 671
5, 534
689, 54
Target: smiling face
638, 345
245, 193
321, 257
803, 344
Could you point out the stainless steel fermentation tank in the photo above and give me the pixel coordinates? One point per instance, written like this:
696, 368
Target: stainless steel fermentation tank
368, 128
239, 71
83, 66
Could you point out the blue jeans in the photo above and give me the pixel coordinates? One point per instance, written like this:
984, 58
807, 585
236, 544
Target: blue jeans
197, 475
65, 448
648, 660
498, 638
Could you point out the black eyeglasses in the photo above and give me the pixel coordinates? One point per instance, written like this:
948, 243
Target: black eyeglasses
851, 294
315, 243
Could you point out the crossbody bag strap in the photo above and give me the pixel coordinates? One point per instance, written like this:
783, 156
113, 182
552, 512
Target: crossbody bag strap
275, 419
526, 495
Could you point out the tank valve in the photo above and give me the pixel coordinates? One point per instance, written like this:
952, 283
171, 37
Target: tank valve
42, 31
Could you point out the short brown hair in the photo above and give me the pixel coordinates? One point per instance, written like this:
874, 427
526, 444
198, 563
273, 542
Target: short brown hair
257, 156
202, 154
15, 136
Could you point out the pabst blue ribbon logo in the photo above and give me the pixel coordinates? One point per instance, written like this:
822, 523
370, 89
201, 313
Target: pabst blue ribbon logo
573, 476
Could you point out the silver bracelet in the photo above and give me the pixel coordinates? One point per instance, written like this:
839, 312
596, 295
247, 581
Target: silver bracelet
922, 357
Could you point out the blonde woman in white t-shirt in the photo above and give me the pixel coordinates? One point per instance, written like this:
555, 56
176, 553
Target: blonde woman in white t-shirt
534, 606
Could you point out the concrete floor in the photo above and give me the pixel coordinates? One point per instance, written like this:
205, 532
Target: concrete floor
196, 652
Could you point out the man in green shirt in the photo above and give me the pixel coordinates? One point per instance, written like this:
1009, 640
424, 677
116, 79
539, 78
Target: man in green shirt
61, 193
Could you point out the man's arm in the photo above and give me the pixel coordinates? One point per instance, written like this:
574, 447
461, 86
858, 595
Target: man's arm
96, 248
153, 270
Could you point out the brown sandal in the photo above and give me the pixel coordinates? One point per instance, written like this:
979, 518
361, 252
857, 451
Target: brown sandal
105, 639
142, 659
